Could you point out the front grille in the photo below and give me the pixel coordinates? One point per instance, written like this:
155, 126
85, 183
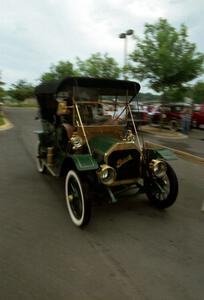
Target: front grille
126, 163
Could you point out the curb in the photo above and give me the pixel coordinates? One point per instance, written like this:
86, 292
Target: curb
180, 153
7, 125
163, 134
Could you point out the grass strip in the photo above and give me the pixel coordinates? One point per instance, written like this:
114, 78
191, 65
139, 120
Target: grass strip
2, 122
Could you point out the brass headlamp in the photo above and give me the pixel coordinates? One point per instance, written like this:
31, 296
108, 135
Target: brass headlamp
106, 174
158, 167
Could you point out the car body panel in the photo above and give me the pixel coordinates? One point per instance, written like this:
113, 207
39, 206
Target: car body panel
84, 162
102, 143
162, 153
198, 114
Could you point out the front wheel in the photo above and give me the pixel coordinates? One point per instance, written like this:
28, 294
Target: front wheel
77, 198
162, 192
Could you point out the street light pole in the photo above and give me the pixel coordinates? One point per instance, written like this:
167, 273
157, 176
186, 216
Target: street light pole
125, 51
124, 36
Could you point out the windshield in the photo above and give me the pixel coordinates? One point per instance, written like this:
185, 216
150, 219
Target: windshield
103, 106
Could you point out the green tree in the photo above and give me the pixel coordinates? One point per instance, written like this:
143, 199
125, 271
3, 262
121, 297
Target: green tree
99, 66
21, 90
147, 97
59, 71
197, 92
2, 91
167, 59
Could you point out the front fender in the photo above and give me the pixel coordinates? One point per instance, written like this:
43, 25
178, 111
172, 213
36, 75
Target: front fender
160, 153
84, 162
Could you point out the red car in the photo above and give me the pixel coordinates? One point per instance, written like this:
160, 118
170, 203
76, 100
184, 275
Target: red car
198, 115
169, 115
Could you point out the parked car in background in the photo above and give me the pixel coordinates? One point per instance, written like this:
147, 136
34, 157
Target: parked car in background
139, 114
168, 115
154, 114
198, 115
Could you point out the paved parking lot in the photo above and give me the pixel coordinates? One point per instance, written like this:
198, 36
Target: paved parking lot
193, 144
130, 250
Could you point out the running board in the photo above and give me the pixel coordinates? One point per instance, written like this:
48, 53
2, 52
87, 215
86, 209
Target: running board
53, 171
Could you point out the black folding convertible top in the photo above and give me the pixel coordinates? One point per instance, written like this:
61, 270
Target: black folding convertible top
54, 86
47, 91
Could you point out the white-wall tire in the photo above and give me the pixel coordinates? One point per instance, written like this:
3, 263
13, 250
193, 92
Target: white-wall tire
77, 199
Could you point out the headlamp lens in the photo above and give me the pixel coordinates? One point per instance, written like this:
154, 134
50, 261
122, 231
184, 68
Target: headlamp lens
107, 174
158, 168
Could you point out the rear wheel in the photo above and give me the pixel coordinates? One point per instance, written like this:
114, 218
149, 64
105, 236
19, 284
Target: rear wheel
162, 192
39, 158
78, 199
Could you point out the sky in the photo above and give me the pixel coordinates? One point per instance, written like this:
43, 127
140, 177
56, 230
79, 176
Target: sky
34, 34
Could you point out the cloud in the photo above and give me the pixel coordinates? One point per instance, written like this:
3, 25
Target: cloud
36, 33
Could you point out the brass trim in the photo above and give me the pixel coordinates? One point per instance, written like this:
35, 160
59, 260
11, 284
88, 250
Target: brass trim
120, 162
83, 130
135, 129
120, 146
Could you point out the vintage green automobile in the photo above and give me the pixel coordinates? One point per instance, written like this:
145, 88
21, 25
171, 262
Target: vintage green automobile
86, 138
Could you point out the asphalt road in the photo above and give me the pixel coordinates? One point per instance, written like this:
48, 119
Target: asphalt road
129, 250
193, 144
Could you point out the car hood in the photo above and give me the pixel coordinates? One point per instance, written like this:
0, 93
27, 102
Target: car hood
100, 144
